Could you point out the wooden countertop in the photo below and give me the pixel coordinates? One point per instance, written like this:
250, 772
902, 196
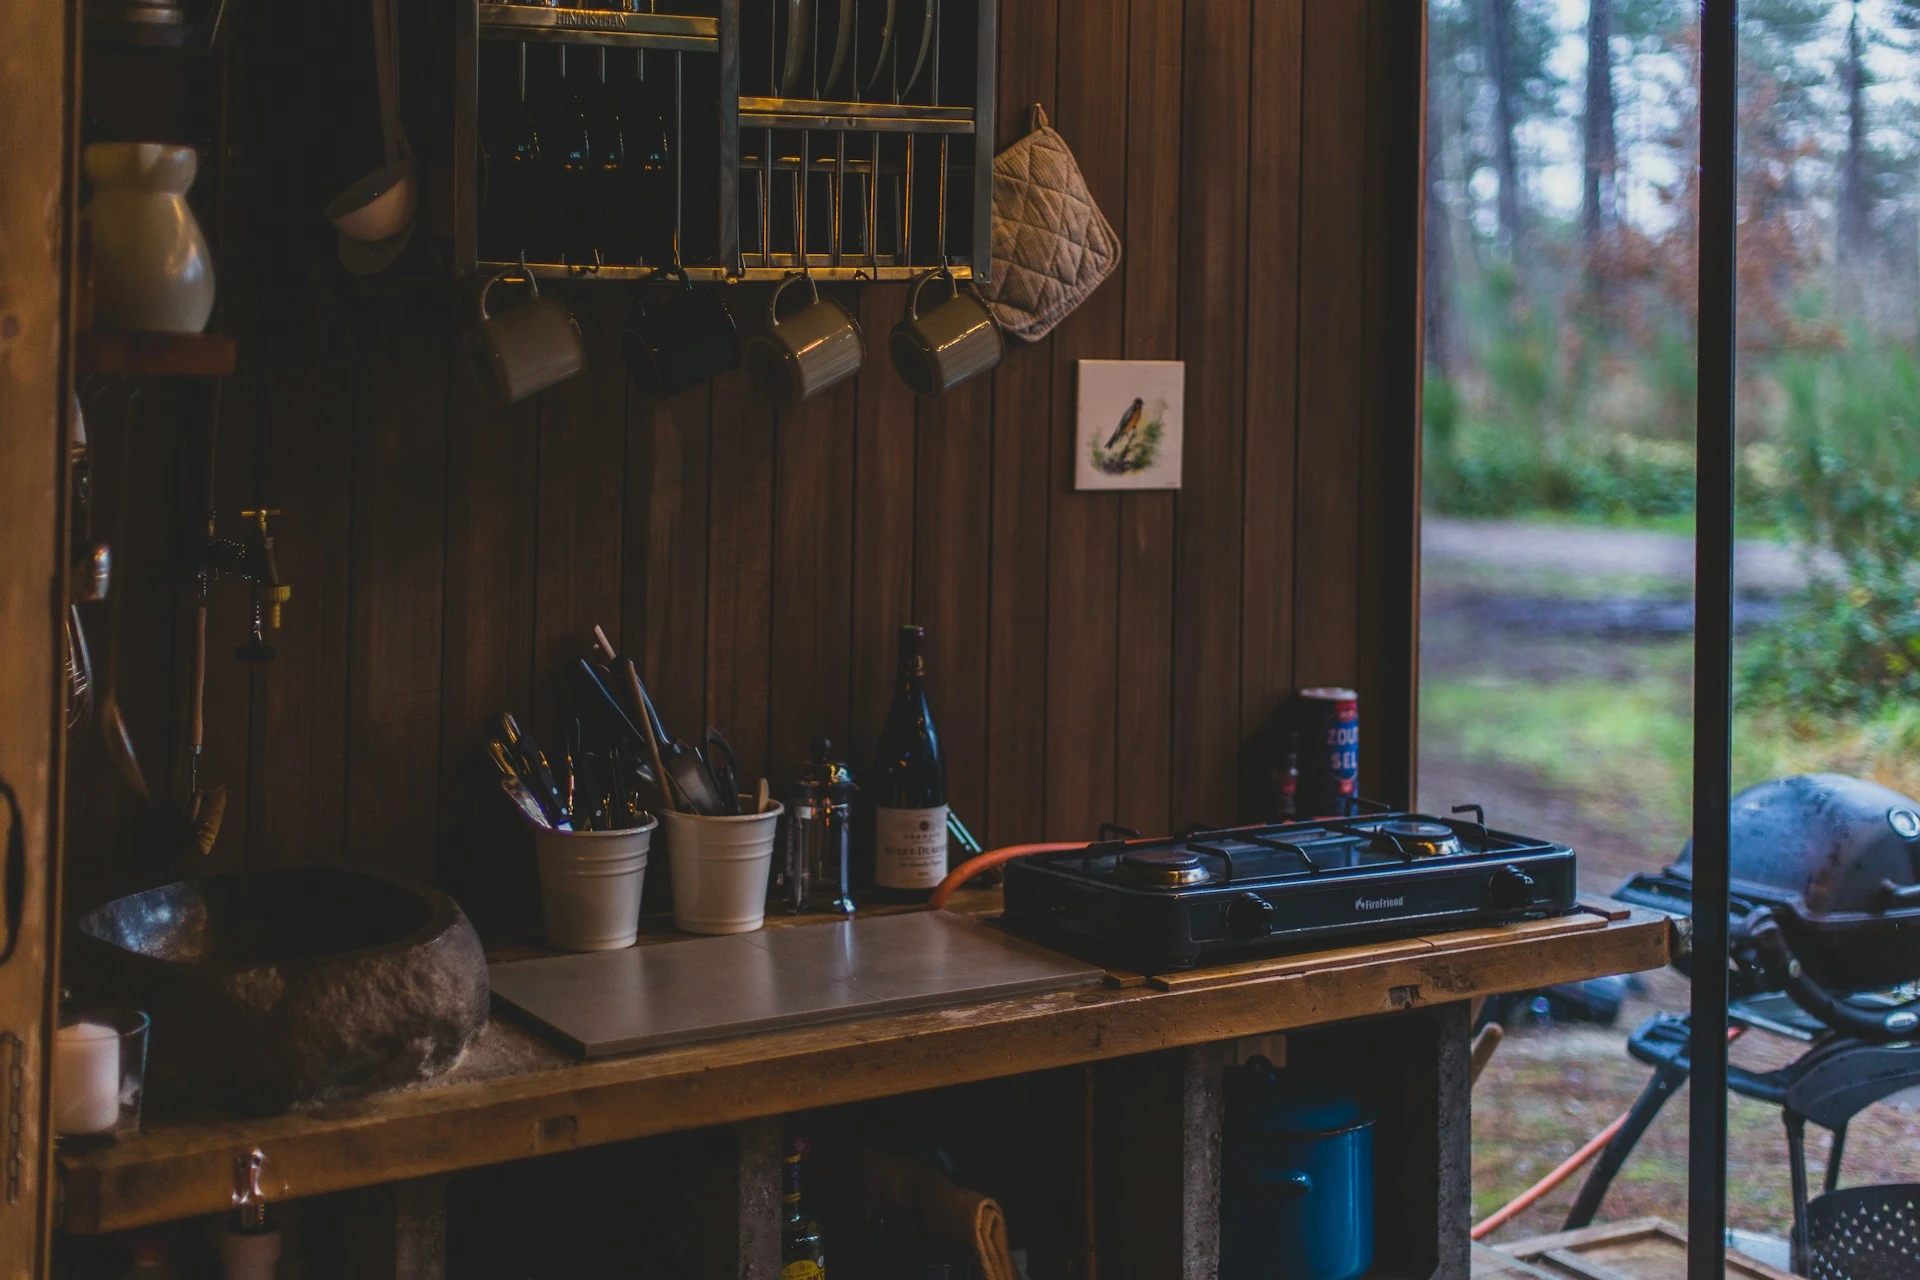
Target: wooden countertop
514, 1096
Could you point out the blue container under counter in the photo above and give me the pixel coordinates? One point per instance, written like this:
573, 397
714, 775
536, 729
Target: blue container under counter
1296, 1180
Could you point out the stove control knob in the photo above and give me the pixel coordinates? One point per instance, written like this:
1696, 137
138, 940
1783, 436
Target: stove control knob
1249, 916
1510, 889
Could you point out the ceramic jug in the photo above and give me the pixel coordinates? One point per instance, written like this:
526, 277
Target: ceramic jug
151, 268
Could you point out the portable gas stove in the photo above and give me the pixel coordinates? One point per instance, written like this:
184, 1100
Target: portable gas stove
1214, 896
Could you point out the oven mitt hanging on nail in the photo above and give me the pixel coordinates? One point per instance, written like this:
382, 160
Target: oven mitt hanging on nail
1051, 244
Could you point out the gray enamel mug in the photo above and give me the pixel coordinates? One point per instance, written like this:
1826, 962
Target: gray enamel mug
814, 348
937, 350
519, 352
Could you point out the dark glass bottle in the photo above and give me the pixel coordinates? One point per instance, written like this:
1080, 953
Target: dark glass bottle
1289, 780
803, 1249
906, 793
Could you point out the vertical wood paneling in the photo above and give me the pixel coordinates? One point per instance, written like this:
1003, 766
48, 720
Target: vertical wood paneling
949, 586
393, 651
487, 644
1143, 696
663, 614
1093, 656
582, 470
1332, 382
1213, 223
664, 619
1022, 395
812, 591
1083, 572
298, 777
882, 569
229, 687
1273, 299
739, 573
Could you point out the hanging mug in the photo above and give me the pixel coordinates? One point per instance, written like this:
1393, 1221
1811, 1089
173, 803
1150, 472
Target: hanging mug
817, 346
937, 351
525, 350
681, 343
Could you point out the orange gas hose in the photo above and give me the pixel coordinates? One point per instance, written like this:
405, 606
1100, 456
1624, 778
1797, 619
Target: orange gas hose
1531, 1196
991, 858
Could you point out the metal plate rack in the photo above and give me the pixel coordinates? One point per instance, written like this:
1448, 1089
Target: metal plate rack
851, 137
866, 136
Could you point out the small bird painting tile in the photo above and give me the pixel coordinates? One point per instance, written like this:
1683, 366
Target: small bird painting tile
1130, 424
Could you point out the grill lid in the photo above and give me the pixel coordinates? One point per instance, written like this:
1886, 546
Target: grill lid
1823, 845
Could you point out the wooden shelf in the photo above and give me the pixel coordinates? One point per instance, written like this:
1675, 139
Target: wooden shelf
515, 1096
156, 355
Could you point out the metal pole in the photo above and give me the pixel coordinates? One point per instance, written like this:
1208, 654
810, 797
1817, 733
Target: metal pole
1713, 641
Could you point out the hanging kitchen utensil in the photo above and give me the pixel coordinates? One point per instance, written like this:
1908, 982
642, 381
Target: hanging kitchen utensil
113, 721
204, 809
375, 216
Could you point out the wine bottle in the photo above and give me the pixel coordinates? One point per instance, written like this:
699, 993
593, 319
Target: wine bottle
803, 1250
907, 787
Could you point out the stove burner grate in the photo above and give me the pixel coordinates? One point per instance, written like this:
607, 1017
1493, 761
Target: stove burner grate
1162, 869
1411, 839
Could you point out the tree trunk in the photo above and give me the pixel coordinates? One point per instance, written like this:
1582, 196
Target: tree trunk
1496, 30
1602, 157
1854, 231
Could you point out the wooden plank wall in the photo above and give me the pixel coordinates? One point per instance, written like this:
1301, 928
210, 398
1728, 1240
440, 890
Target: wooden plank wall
1093, 657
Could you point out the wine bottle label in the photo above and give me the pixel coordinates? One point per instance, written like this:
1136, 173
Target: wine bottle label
910, 847
805, 1269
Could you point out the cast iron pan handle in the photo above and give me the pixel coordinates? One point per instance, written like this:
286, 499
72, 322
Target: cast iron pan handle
1760, 932
13, 881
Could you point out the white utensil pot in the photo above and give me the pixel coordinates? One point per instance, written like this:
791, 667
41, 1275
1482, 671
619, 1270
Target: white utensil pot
720, 869
590, 884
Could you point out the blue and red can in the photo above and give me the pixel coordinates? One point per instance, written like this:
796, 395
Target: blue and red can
1329, 727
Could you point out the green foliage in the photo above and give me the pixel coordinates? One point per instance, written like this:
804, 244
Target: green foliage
1478, 469
1852, 642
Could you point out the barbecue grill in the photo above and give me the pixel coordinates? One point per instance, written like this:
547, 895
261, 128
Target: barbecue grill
1825, 899
1825, 914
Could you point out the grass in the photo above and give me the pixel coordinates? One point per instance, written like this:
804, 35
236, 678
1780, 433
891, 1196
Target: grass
1604, 725
1599, 736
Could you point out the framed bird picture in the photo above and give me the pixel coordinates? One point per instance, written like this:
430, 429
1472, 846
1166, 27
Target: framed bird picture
1130, 424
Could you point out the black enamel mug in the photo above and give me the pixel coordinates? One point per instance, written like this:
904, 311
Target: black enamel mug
682, 342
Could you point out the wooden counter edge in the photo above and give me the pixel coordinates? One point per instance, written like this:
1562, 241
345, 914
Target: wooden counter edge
182, 1171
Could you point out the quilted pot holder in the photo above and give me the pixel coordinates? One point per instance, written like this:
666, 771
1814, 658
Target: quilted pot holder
1051, 244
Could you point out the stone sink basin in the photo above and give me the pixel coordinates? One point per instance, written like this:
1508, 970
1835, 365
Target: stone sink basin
279, 988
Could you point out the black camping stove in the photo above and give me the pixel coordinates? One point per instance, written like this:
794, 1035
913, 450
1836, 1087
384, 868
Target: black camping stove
1215, 896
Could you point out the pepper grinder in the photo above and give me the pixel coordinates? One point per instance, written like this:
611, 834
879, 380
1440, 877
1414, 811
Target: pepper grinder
814, 871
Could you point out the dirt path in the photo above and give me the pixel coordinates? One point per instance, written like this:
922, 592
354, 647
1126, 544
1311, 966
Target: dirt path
1760, 568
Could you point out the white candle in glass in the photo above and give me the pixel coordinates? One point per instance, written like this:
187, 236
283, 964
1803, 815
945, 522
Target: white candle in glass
86, 1077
